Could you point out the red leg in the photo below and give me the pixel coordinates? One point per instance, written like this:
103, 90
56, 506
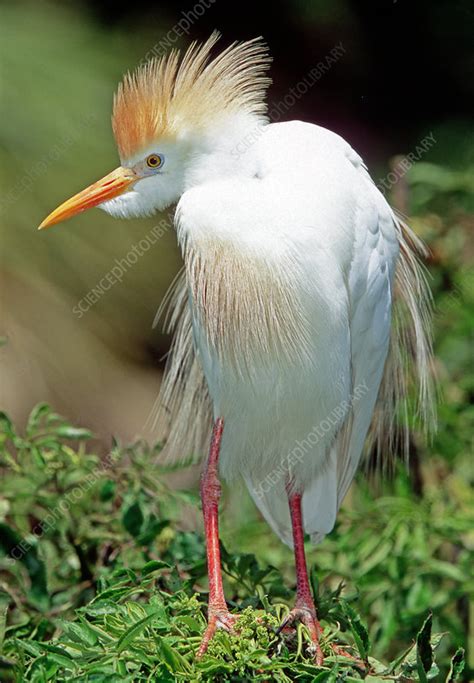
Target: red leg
218, 614
304, 610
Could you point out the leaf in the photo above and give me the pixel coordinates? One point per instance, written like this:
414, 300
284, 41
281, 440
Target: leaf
313, 577
151, 531
457, 666
191, 623
107, 490
132, 519
31, 647
153, 566
60, 656
115, 593
100, 607
424, 651
172, 658
451, 571
359, 631
134, 631
6, 425
4, 601
22, 551
73, 433
80, 633
321, 677
36, 415
95, 630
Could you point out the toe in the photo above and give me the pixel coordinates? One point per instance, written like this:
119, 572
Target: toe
226, 621
219, 620
308, 618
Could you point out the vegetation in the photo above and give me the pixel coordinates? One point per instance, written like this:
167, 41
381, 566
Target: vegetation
100, 582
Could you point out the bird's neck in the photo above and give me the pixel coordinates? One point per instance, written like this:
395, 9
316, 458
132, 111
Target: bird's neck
228, 149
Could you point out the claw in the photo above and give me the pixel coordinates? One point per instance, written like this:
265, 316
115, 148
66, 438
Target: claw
307, 617
219, 619
339, 651
284, 625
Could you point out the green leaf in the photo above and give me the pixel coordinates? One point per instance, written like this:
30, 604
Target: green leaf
107, 490
60, 656
22, 551
36, 417
6, 425
326, 676
151, 531
153, 566
191, 623
99, 607
73, 433
457, 666
359, 631
4, 602
115, 593
80, 633
135, 630
172, 658
424, 651
132, 519
451, 571
95, 630
314, 580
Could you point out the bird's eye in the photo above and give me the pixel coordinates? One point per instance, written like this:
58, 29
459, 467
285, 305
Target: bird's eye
154, 161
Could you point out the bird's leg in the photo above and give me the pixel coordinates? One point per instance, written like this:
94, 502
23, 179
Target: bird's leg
218, 613
304, 609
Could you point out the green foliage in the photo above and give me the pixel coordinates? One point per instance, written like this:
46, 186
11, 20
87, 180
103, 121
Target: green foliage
101, 584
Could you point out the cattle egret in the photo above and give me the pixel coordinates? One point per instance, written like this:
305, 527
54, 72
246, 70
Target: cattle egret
301, 305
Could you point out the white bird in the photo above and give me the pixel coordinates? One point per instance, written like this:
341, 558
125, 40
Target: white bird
300, 307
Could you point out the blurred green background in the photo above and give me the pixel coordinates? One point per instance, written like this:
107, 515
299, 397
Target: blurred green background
406, 74
403, 75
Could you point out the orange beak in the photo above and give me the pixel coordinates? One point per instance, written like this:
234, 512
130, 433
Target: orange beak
108, 187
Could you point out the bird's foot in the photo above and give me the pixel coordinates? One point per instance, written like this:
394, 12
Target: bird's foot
306, 616
220, 618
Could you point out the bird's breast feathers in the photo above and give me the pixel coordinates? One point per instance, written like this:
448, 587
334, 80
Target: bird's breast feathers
246, 308
264, 289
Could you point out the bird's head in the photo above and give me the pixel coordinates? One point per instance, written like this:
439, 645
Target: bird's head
176, 121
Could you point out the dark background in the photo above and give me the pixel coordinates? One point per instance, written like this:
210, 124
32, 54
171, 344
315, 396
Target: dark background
407, 64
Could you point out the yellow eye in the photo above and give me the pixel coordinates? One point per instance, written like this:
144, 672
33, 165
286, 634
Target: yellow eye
154, 161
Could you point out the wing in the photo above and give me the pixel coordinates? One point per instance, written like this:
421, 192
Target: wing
370, 295
391, 348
